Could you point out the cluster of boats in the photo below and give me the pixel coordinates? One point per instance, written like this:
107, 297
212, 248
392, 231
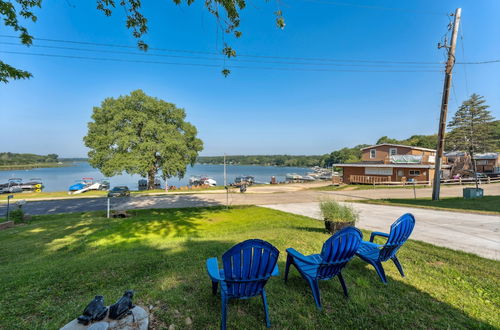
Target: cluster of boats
86, 184
202, 181
16, 185
317, 174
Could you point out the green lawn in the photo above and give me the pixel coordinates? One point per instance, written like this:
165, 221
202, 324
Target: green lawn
489, 204
50, 269
364, 187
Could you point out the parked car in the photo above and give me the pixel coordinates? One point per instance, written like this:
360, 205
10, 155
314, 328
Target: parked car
119, 191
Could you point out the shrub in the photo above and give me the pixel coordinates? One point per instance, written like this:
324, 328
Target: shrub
333, 211
17, 215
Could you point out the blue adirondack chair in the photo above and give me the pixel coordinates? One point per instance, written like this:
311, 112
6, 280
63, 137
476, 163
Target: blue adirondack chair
247, 267
335, 254
375, 254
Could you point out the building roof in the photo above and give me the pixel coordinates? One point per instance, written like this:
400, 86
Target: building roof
398, 145
389, 165
487, 155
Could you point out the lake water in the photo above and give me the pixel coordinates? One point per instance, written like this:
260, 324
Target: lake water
60, 178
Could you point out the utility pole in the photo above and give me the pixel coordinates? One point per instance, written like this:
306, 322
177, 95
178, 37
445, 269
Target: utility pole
444, 103
225, 182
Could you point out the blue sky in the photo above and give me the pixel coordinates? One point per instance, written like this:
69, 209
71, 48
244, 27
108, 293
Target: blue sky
253, 111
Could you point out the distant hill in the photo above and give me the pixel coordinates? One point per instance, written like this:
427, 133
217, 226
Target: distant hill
10, 158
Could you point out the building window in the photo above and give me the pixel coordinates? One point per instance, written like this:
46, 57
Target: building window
378, 171
373, 153
393, 151
414, 172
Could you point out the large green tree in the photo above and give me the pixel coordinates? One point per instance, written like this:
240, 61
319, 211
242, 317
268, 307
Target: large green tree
140, 134
471, 127
226, 13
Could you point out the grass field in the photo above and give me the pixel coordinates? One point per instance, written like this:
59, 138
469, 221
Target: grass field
30, 166
51, 268
364, 187
488, 204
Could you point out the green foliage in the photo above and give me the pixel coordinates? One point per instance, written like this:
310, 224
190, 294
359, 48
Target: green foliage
471, 127
17, 215
495, 129
333, 211
140, 134
344, 155
423, 141
9, 158
226, 13
265, 160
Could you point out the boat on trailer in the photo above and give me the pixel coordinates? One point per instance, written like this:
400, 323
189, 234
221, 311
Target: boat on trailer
202, 180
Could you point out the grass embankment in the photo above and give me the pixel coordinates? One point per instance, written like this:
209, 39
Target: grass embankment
365, 187
54, 266
30, 166
486, 204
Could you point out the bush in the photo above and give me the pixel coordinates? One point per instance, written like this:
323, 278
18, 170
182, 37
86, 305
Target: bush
333, 211
17, 215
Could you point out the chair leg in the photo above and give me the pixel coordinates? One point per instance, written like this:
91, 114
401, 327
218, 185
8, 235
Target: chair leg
289, 260
380, 271
215, 285
398, 265
224, 313
313, 283
344, 287
266, 311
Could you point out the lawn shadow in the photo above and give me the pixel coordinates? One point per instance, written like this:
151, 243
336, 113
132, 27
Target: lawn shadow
119, 203
161, 254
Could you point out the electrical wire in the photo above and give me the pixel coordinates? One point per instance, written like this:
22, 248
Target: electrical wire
219, 54
463, 56
205, 65
208, 58
289, 58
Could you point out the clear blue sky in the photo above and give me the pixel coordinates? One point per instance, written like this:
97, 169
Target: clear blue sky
253, 111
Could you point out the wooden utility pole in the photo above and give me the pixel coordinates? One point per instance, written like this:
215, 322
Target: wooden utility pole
444, 104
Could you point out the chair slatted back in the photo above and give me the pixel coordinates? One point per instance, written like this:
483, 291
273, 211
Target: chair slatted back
338, 250
401, 229
247, 267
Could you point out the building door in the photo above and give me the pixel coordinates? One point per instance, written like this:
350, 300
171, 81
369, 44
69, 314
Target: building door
400, 174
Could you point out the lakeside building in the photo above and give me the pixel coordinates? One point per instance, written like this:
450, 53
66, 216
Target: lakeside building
392, 163
488, 163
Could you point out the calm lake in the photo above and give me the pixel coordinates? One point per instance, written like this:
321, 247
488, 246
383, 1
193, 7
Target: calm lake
60, 178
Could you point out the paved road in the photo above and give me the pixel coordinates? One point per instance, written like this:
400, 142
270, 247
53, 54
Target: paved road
279, 194
475, 233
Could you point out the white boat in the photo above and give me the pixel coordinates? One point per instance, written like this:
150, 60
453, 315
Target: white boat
202, 180
293, 177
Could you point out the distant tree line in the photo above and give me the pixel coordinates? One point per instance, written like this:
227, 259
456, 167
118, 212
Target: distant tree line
348, 155
265, 160
10, 158
344, 155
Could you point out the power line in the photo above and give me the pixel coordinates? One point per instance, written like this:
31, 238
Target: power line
207, 65
463, 55
204, 58
220, 55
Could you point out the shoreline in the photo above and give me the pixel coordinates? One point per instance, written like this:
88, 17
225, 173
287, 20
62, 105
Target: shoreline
32, 166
